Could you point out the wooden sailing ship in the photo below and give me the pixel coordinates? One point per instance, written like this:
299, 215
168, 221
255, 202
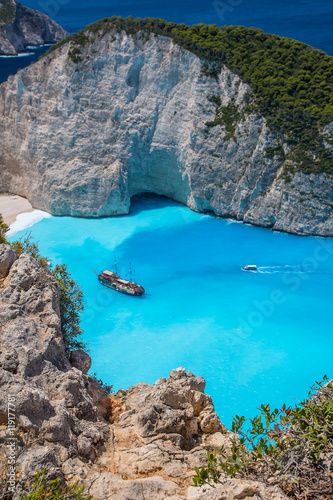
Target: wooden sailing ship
112, 280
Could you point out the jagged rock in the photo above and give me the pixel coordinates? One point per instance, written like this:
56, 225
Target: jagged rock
112, 487
49, 393
143, 443
236, 489
38, 458
210, 424
96, 132
7, 258
21, 26
80, 360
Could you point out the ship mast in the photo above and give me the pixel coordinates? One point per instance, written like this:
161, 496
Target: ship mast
130, 273
115, 265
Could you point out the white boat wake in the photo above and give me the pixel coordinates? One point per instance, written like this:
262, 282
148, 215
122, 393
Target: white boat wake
298, 269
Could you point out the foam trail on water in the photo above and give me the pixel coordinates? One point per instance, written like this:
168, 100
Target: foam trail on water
234, 221
281, 269
25, 220
23, 54
34, 47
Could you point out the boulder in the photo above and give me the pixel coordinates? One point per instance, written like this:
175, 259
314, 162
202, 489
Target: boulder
7, 258
80, 360
112, 487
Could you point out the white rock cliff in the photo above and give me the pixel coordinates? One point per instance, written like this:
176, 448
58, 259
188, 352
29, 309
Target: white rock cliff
21, 27
81, 138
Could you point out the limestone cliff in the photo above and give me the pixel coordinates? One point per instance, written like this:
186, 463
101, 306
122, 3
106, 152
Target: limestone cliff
140, 444
21, 26
86, 128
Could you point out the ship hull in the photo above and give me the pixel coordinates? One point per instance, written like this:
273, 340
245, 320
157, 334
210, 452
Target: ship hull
125, 291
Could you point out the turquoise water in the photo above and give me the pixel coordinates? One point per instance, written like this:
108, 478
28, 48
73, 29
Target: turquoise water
256, 337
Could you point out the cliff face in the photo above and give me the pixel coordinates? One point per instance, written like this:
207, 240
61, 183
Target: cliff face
82, 134
140, 444
21, 26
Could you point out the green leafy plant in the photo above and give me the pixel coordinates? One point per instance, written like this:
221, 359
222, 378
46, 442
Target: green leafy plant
71, 307
26, 245
7, 12
289, 447
43, 488
224, 115
74, 55
3, 230
71, 296
277, 151
107, 388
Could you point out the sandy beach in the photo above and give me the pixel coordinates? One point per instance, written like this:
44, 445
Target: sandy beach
11, 206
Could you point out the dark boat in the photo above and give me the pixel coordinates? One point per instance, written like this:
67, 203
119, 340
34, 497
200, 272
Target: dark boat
112, 280
249, 267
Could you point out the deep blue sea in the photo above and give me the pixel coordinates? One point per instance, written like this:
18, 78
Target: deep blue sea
305, 20
256, 337
9, 65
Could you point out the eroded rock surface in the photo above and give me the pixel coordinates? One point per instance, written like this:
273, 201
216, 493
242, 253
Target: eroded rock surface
80, 360
140, 444
128, 116
21, 27
7, 258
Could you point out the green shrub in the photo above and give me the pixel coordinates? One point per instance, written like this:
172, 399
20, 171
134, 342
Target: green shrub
228, 116
26, 245
71, 307
71, 297
277, 151
3, 230
74, 55
43, 489
7, 12
107, 388
56, 46
289, 447
215, 99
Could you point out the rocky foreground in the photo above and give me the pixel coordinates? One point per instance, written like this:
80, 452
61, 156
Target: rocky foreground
21, 27
139, 444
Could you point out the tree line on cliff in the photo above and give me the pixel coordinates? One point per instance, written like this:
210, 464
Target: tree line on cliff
292, 83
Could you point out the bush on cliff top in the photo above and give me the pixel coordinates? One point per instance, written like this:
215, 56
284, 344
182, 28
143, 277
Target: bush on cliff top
288, 447
292, 82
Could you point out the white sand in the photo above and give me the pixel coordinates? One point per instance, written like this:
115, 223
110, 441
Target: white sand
19, 214
26, 220
11, 206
